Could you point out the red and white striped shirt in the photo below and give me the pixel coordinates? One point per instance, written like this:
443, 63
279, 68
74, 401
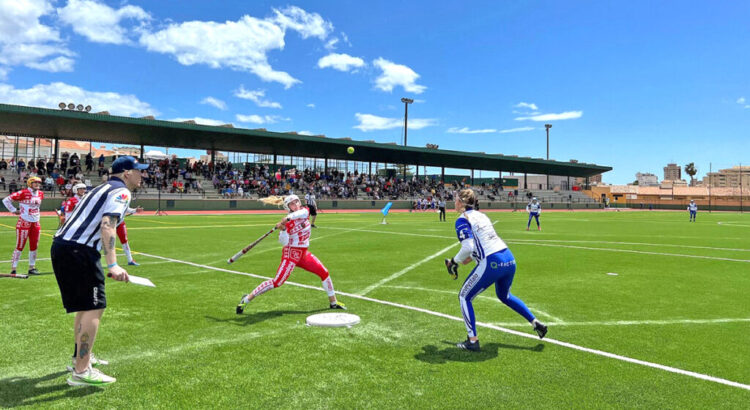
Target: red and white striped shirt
28, 200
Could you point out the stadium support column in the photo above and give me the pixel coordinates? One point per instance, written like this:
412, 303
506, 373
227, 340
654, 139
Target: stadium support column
213, 157
568, 182
525, 178
325, 166
587, 184
274, 162
141, 152
57, 149
417, 171
472, 177
369, 172
442, 174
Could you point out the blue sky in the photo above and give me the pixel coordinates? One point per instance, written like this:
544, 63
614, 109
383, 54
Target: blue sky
633, 85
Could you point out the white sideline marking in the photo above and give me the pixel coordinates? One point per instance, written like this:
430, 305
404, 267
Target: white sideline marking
406, 269
635, 322
38, 259
486, 325
634, 243
630, 251
555, 320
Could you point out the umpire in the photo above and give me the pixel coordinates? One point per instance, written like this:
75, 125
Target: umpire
76, 260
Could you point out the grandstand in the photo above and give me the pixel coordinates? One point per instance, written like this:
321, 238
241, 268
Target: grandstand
289, 163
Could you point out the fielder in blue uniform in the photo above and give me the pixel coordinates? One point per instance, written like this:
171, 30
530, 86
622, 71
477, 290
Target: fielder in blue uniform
693, 208
534, 208
495, 265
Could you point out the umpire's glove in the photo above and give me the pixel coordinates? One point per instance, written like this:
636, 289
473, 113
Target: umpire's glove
452, 268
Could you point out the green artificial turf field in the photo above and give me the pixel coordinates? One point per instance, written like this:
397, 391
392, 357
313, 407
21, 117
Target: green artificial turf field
680, 299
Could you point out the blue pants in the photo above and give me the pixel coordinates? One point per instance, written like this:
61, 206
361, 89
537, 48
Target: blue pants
533, 215
498, 268
693, 214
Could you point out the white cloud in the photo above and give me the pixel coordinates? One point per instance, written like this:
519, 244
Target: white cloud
369, 122
530, 106
465, 130
49, 95
331, 44
255, 96
305, 132
100, 23
346, 39
4, 73
307, 24
396, 75
260, 119
568, 115
239, 45
215, 102
521, 129
25, 40
311, 105
741, 100
341, 62
199, 120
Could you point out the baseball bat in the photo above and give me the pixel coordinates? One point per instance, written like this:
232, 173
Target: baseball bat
17, 276
251, 246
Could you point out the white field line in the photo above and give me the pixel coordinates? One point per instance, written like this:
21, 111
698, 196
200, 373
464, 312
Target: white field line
636, 322
732, 224
555, 320
634, 243
486, 325
405, 270
21, 259
536, 243
630, 251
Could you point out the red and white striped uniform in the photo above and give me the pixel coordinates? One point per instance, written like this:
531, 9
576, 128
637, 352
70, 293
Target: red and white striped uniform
70, 205
296, 240
27, 227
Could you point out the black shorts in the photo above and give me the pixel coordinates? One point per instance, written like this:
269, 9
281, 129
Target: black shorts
79, 274
313, 210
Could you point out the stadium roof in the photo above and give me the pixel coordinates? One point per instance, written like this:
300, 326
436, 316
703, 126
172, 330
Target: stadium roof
82, 126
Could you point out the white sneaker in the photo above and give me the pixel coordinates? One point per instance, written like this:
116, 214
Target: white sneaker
93, 361
90, 377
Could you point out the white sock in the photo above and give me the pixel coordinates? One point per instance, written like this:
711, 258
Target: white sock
534, 322
328, 287
32, 259
126, 248
16, 257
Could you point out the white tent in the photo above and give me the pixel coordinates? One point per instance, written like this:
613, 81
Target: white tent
154, 154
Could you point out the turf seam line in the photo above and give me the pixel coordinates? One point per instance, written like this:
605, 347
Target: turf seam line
486, 325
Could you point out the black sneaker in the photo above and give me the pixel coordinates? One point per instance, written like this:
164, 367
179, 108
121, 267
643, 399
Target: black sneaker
13, 272
32, 271
468, 345
313, 225
241, 305
540, 329
337, 305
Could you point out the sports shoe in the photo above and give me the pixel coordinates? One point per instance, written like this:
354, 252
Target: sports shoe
242, 304
93, 361
540, 329
33, 271
90, 377
134, 263
313, 225
337, 305
13, 272
539, 228
468, 345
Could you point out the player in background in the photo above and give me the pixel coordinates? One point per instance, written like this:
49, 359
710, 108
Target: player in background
312, 206
693, 208
27, 228
294, 235
70, 204
122, 234
534, 208
495, 265
441, 206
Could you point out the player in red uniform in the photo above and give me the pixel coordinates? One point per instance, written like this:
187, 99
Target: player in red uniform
295, 236
28, 228
122, 233
79, 190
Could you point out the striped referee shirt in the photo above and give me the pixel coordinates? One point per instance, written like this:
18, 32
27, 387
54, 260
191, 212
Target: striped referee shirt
111, 198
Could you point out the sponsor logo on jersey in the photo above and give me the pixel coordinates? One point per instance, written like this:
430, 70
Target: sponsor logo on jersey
122, 198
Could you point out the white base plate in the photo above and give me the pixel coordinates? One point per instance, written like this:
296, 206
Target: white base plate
333, 320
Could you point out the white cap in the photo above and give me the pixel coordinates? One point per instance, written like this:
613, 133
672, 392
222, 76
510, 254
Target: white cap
533, 199
288, 200
78, 186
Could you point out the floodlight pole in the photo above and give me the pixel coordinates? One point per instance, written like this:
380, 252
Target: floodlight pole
547, 127
406, 102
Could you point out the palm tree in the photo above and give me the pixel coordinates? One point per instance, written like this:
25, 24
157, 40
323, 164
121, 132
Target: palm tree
690, 170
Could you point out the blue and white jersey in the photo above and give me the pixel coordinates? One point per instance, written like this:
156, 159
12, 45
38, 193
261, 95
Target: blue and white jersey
111, 198
534, 208
693, 207
477, 226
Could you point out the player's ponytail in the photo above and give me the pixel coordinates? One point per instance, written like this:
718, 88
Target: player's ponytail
468, 197
273, 200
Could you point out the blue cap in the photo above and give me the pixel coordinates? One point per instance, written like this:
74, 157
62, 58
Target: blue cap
125, 163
